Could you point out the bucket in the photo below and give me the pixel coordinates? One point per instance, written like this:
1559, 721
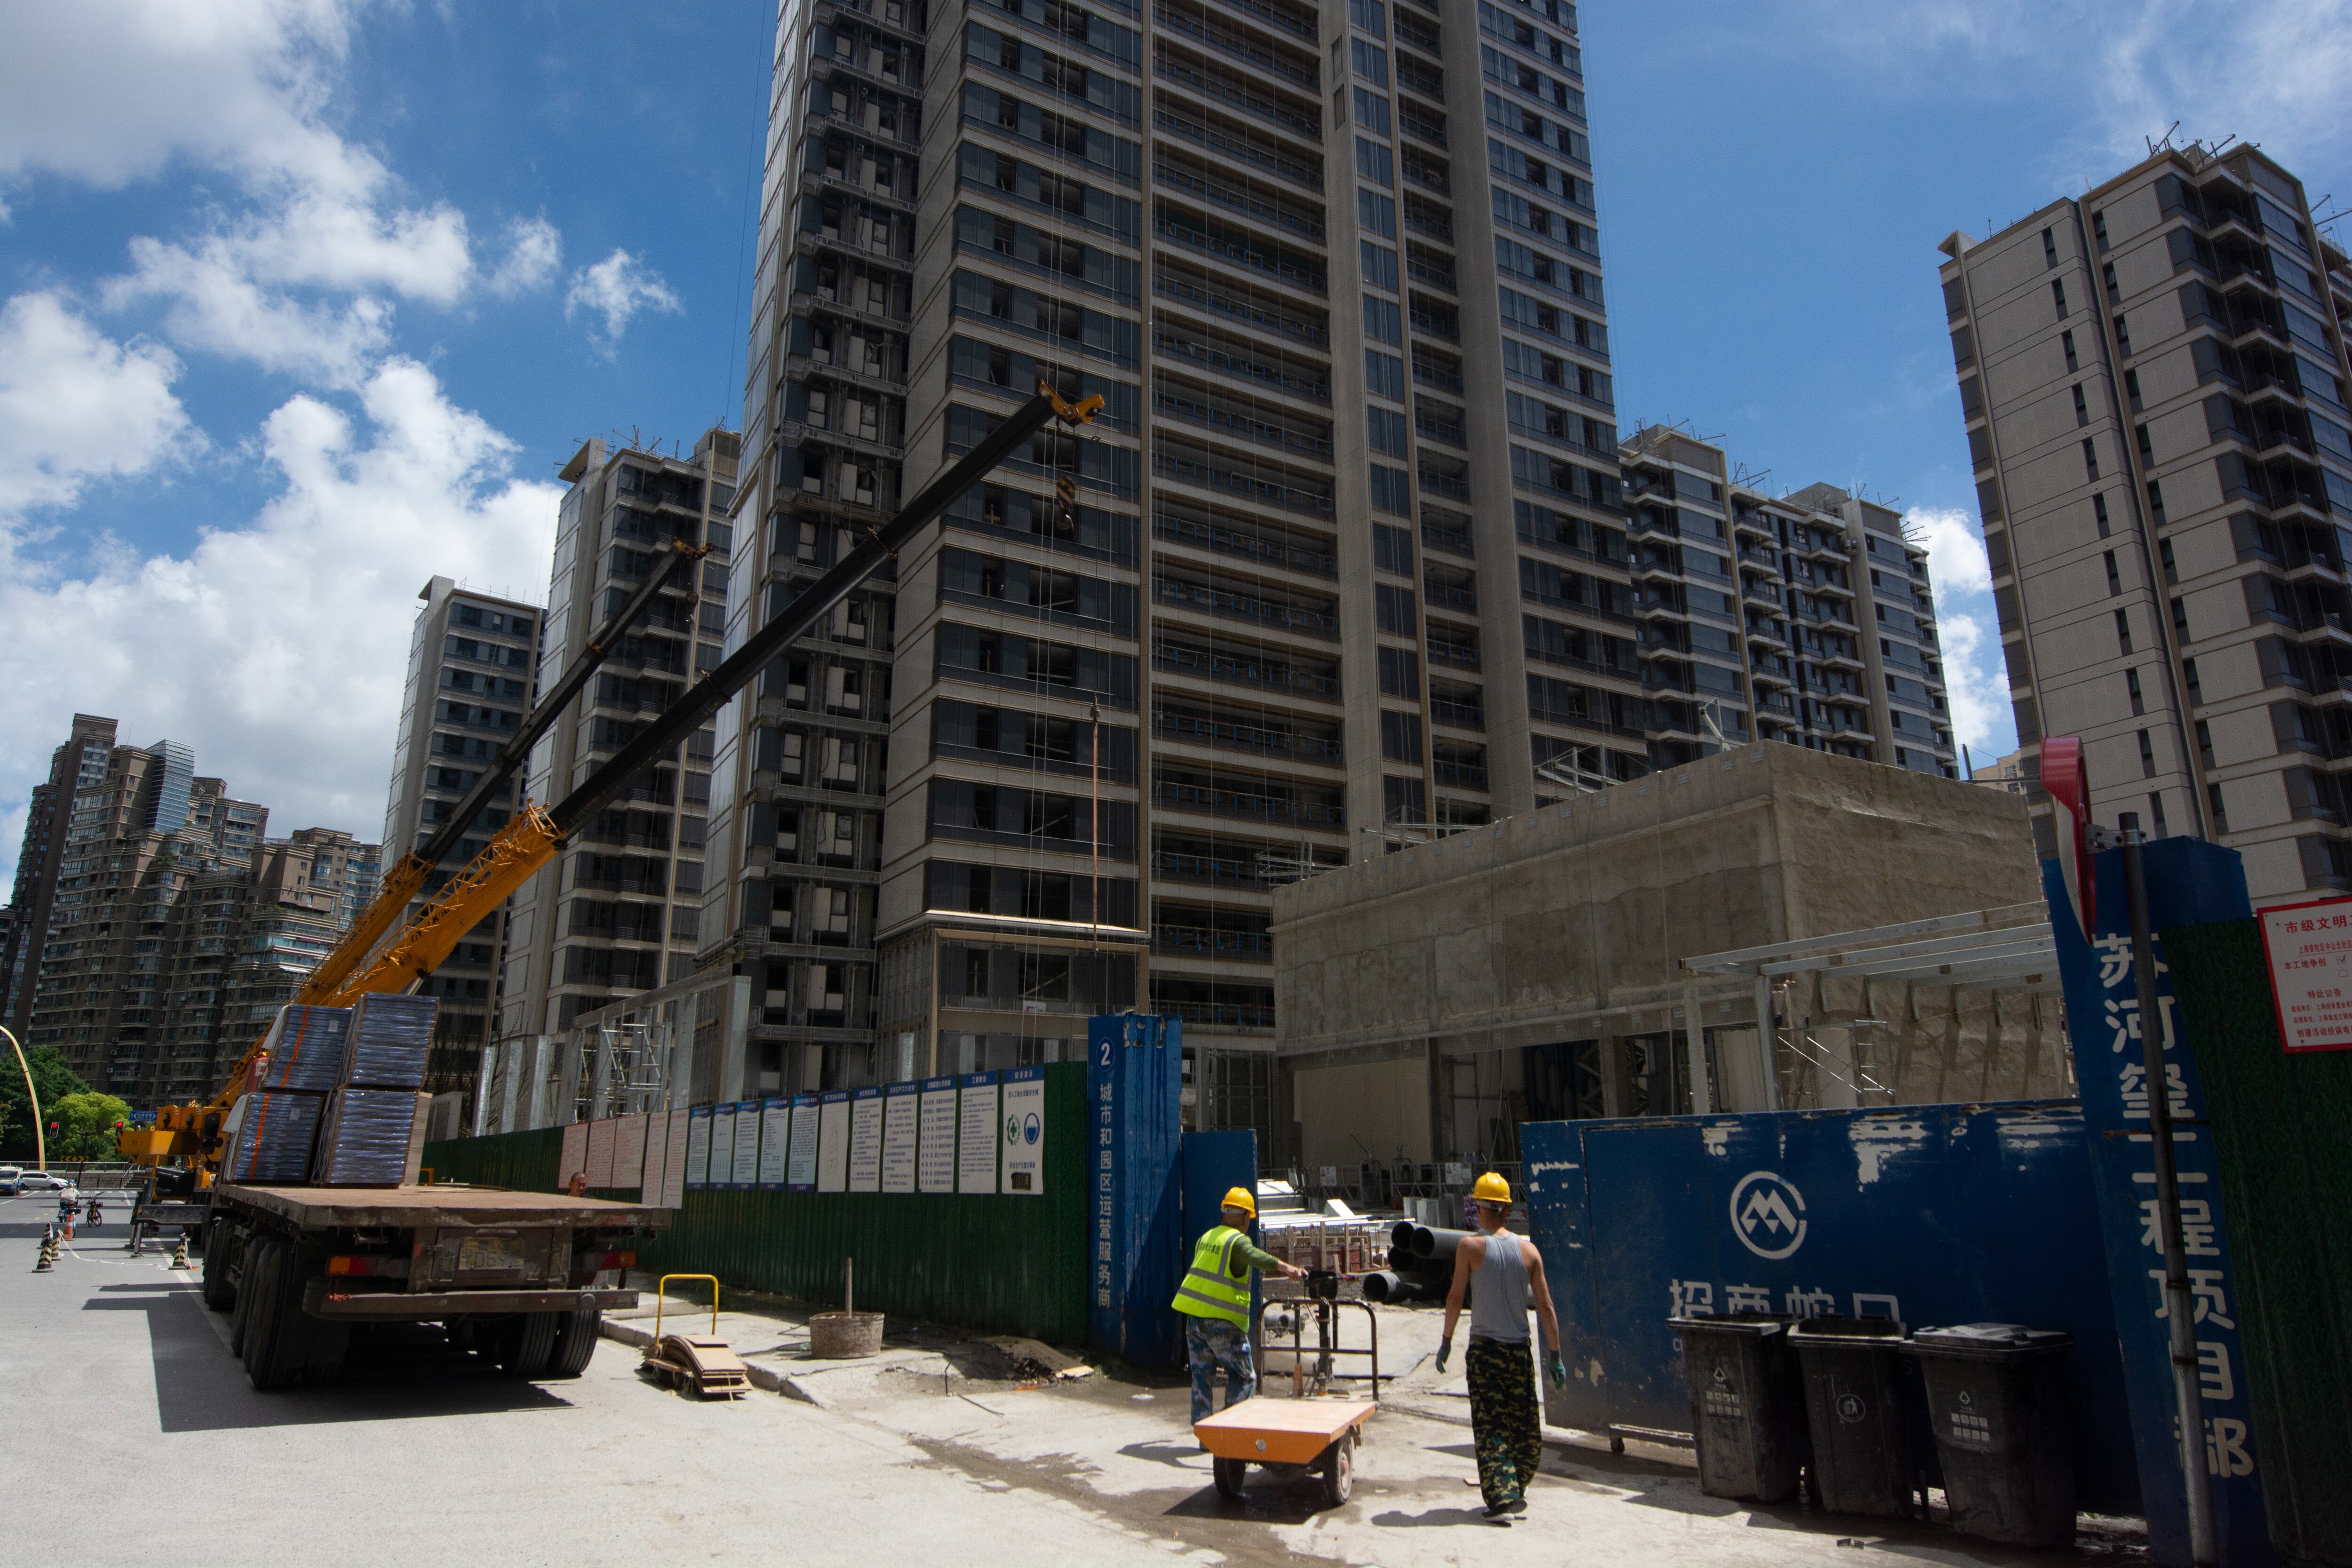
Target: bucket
844, 1336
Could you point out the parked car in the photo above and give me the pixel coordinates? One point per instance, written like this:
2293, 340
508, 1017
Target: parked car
33, 1181
12, 1179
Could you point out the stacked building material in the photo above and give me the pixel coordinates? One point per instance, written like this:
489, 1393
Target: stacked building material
306, 1049
274, 1139
374, 1126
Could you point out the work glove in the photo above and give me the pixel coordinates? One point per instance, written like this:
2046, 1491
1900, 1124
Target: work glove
1444, 1349
1559, 1370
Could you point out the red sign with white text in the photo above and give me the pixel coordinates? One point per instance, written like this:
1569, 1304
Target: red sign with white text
2309, 947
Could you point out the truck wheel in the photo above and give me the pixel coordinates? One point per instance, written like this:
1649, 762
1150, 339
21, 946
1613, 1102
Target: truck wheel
252, 1252
1228, 1473
220, 1295
528, 1343
576, 1333
266, 1329
1338, 1467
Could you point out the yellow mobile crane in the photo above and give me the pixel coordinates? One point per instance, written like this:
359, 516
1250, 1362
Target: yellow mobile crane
373, 957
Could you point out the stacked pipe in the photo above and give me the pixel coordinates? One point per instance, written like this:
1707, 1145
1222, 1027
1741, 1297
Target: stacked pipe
1421, 1263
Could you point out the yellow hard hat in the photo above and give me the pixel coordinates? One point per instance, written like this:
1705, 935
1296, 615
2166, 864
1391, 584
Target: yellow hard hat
1491, 1188
1241, 1198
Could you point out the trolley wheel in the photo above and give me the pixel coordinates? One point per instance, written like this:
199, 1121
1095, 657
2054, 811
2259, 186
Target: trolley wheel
1338, 1467
1229, 1474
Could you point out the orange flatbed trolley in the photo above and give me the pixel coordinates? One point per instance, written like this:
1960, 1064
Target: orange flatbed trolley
703, 1362
1288, 1437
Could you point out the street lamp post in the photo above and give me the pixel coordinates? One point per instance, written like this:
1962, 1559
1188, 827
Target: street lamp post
40, 1140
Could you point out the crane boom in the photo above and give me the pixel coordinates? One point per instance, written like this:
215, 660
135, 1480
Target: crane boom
536, 833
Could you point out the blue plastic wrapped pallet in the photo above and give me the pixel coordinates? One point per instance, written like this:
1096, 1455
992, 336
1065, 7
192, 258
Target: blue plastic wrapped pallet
390, 1037
306, 1048
274, 1139
370, 1138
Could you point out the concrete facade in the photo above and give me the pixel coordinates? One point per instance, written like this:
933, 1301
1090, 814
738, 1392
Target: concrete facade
1427, 995
2159, 412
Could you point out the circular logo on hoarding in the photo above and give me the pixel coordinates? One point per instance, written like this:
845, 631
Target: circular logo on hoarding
1851, 1408
1013, 1129
1768, 1214
1032, 1129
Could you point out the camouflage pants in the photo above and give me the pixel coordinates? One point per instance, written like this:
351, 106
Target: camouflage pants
1504, 1417
1211, 1345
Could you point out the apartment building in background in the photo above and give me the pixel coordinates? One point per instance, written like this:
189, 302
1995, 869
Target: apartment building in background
1297, 605
618, 912
2159, 411
472, 669
80, 760
176, 926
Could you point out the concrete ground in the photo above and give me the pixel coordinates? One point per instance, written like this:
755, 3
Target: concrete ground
134, 1428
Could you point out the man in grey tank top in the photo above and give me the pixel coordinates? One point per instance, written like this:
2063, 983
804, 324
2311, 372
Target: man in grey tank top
1505, 1420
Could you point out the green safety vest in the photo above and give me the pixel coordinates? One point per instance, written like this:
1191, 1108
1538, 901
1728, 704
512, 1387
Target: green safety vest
1209, 1290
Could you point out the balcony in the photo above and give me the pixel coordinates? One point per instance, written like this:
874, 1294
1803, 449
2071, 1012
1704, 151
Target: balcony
1232, 735
1284, 615
1239, 46
1262, 259
1245, 669
1439, 320
1214, 802
1238, 91
1207, 941
1460, 774
1457, 715
1437, 427
1437, 482
1427, 372
1209, 187
1219, 1014
1209, 475
1177, 404
1208, 297
1243, 544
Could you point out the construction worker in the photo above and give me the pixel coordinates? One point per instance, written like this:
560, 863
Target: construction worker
1505, 1421
1215, 1300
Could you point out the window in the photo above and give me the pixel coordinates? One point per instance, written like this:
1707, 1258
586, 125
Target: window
1374, 162
1371, 61
2156, 502
2146, 756
2058, 295
2164, 555
2204, 742
2131, 388
2090, 458
2050, 255
2114, 578
2081, 407
1403, 800
2214, 799
2188, 676
1392, 610
1391, 491
1401, 736
1372, 110
2123, 630
2155, 811
2066, 341
2146, 450
1383, 375
1371, 15
1380, 265
1386, 429
2181, 620
2131, 689
1393, 549
2114, 291
2122, 336
2099, 230
1383, 322
1400, 673
1375, 213
2099, 513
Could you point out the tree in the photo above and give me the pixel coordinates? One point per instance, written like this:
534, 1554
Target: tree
56, 1082
86, 1124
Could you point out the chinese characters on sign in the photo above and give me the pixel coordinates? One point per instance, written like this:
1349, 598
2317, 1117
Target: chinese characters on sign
2309, 947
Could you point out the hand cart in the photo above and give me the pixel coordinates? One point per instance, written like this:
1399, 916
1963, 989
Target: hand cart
703, 1362
1312, 1430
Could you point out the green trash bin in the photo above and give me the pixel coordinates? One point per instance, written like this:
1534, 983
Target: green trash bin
1748, 1406
1998, 1401
1855, 1411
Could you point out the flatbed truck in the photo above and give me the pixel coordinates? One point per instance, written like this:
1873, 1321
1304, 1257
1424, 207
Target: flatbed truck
522, 1278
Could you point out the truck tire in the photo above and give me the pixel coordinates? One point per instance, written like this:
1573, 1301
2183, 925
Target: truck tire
265, 1316
283, 1344
240, 1317
526, 1345
220, 1295
576, 1333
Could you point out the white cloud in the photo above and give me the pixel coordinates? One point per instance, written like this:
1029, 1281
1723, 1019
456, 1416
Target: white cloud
617, 288
215, 306
278, 650
75, 405
1975, 680
534, 255
2271, 71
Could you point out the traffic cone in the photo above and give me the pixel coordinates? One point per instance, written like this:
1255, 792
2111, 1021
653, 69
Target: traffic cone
180, 1252
48, 1254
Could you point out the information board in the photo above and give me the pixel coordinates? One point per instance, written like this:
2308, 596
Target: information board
600, 1153
656, 1159
573, 1160
698, 1146
775, 1129
1024, 1119
722, 1145
865, 1139
800, 1163
976, 1134
747, 1145
937, 1162
2310, 951
833, 1141
629, 1151
900, 1126
673, 1191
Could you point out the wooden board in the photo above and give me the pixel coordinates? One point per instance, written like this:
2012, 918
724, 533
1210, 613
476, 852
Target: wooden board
1280, 1431
440, 1204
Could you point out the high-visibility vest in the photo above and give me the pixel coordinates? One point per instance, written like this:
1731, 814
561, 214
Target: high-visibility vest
1209, 1290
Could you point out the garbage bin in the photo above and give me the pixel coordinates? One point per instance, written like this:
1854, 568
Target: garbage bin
1748, 1406
1997, 1400
1854, 1410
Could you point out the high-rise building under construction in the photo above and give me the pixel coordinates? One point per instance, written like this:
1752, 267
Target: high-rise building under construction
1341, 562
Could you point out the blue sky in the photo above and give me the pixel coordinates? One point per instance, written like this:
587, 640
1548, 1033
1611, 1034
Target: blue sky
302, 301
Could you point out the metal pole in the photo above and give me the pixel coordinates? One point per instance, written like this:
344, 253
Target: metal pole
2178, 1310
40, 1139
1694, 1050
1767, 1042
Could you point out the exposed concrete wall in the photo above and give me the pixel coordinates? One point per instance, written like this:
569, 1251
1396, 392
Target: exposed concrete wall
1571, 922
1369, 1110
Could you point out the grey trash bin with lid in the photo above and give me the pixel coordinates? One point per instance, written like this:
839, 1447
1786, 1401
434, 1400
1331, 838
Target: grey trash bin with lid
1998, 1401
1748, 1406
1860, 1430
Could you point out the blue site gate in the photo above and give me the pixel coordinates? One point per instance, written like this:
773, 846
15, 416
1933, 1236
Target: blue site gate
1932, 1213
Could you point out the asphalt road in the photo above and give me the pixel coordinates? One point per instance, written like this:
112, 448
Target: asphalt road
135, 1436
